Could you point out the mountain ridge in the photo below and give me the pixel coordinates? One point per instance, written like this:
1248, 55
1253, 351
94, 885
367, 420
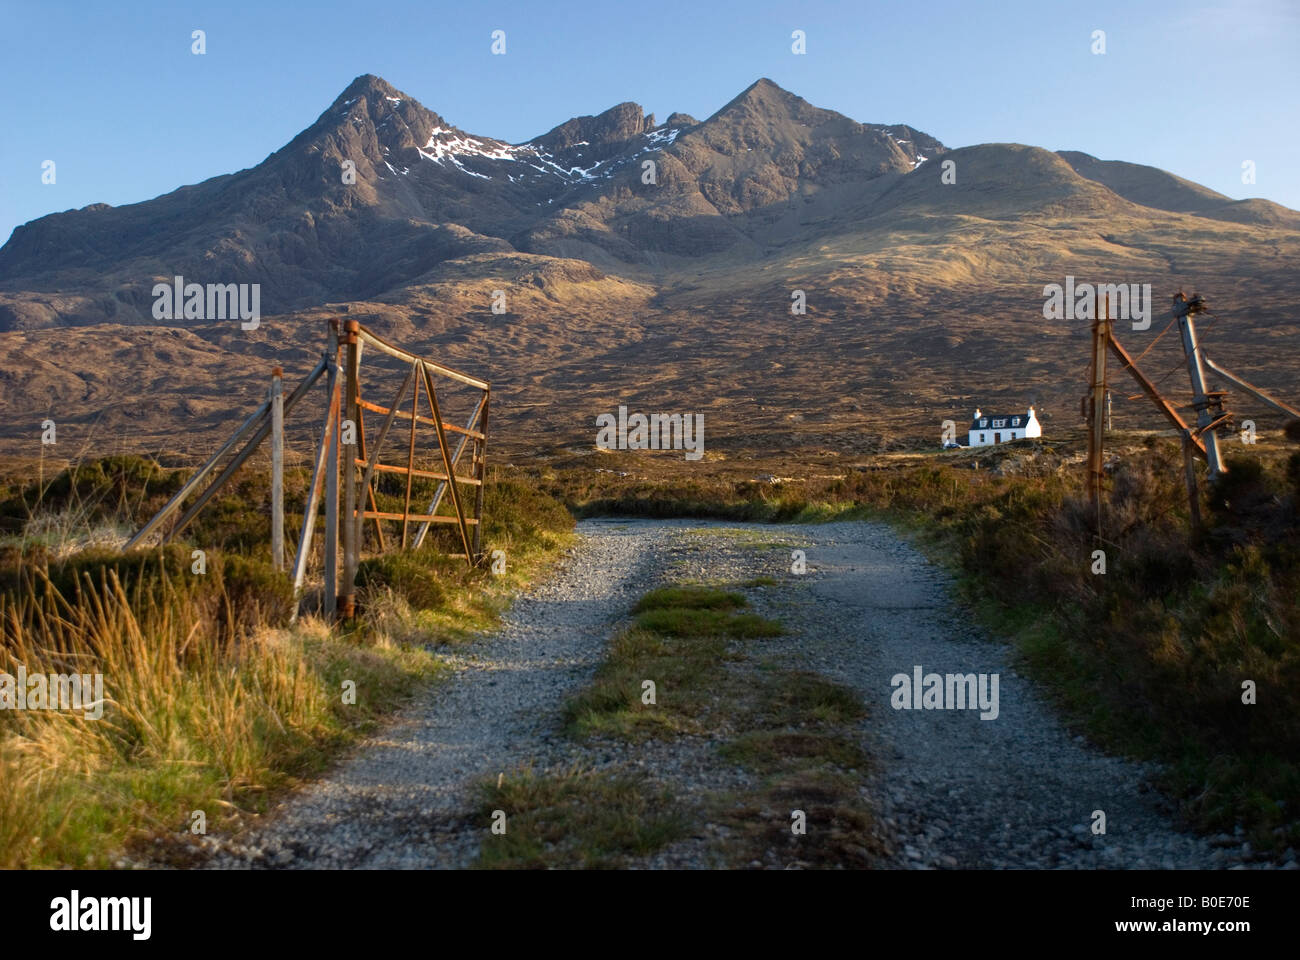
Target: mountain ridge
584, 164
387, 136
640, 262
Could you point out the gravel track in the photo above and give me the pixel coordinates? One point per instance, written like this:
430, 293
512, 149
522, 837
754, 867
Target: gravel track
402, 799
953, 791
1017, 791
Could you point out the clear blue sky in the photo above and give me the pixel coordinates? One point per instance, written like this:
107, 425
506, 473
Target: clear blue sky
111, 92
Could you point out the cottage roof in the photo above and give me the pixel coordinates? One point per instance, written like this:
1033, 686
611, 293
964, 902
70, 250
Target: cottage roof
1000, 421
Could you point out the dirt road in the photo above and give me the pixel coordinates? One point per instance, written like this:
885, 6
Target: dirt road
952, 790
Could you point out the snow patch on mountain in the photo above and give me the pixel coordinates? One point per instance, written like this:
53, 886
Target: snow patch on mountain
461, 149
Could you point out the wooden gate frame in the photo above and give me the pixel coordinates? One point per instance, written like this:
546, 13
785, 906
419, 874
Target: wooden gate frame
343, 388
359, 491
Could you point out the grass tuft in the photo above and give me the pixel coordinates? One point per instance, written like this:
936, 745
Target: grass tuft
576, 818
690, 597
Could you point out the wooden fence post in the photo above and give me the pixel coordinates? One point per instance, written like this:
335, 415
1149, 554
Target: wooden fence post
330, 600
480, 471
1096, 407
352, 387
277, 468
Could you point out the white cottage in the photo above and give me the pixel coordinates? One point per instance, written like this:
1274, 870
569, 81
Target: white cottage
988, 429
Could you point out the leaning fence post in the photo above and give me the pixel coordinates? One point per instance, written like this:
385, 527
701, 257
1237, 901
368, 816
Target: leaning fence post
1209, 407
277, 468
314, 491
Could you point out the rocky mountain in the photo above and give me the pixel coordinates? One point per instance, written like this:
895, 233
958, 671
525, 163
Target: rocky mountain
426, 192
642, 262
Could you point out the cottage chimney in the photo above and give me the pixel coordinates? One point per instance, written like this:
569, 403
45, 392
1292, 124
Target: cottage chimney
977, 413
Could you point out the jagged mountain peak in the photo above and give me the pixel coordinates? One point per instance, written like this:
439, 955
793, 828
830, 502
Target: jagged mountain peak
381, 97
600, 136
371, 120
